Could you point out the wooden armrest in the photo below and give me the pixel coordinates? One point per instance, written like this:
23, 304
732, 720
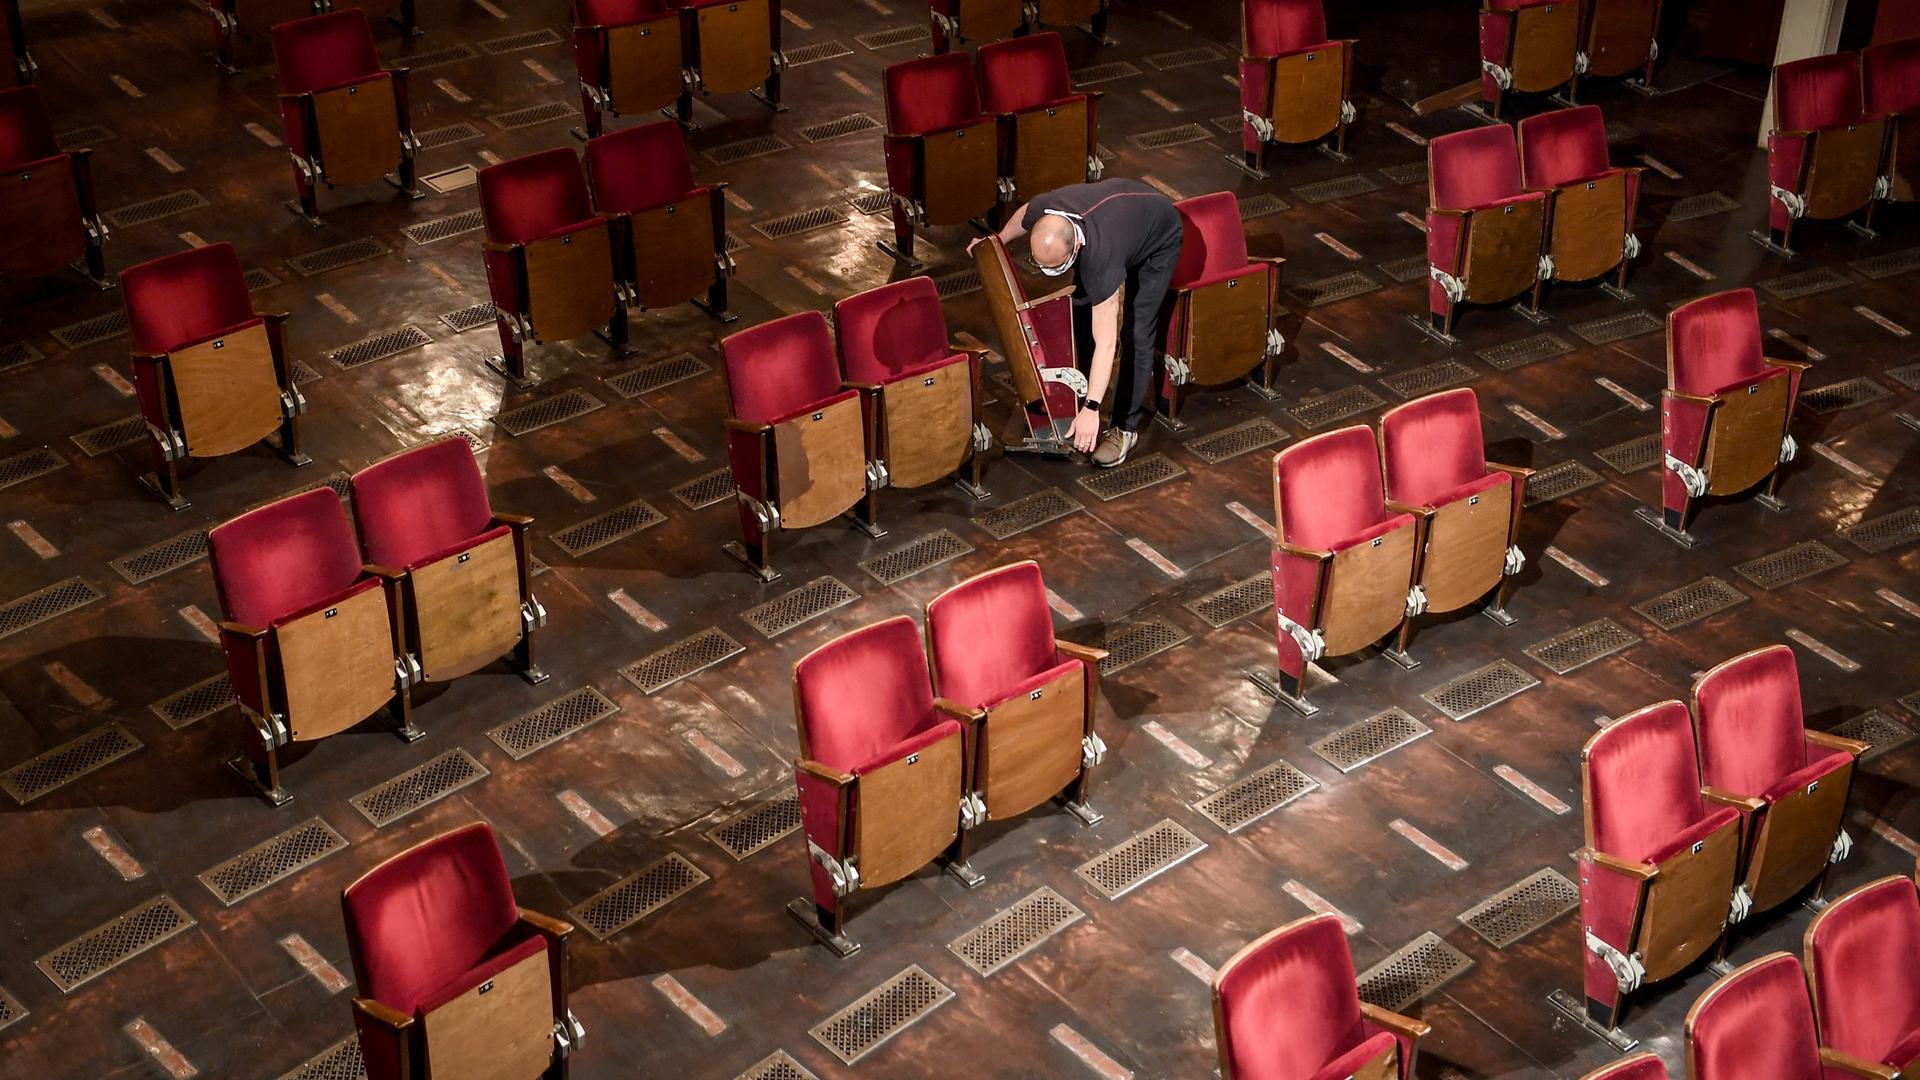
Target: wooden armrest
385, 1015
1518, 472
276, 316
1305, 553
1637, 870
1036, 302
284, 98
546, 924
1796, 365
1444, 211
1697, 399
747, 426
1742, 803
384, 573
1275, 261
400, 74
958, 711
243, 630
498, 248
1838, 742
1857, 1066
823, 772
1394, 1022
1085, 653
1790, 134
979, 354
863, 387
518, 521
1409, 508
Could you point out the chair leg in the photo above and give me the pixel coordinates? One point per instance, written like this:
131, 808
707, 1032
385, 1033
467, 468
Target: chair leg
306, 203
755, 555
400, 711
954, 862
97, 263
407, 20
1770, 498
827, 925
511, 360
1496, 605
164, 480
290, 443
716, 302
971, 478
768, 93
1600, 1019
615, 333
1286, 688
866, 516
1864, 227
1398, 653
262, 775
591, 120
523, 659
901, 246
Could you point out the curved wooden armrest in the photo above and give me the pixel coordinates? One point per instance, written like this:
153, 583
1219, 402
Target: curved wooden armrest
1697, 399
1446, 211
1409, 508
1518, 472
823, 772
863, 387
384, 573
1796, 365
399, 74
498, 248
1838, 742
1301, 552
518, 521
1637, 870
1779, 133
958, 711
1275, 261
1857, 1066
243, 630
980, 354
1085, 653
1394, 1022
385, 1015
276, 316
748, 426
1037, 301
284, 98
546, 924
1742, 803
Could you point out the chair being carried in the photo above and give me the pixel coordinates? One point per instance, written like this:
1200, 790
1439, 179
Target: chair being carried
1037, 338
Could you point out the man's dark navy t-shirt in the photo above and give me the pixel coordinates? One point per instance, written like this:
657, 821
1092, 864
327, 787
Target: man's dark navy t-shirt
1125, 221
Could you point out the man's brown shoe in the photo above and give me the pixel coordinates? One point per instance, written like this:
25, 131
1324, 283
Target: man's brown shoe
1114, 447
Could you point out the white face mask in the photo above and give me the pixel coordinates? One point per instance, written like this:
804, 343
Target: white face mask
1079, 241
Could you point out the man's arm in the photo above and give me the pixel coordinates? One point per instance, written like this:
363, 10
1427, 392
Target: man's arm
1106, 341
1014, 229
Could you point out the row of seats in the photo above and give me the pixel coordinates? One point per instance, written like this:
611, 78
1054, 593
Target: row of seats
1539, 46
242, 27
955, 22
638, 56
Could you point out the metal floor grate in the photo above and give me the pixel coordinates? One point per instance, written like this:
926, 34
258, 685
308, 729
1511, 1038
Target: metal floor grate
636, 896
1229, 443
880, 1014
1801, 561
1407, 172
1261, 204
820, 217
1618, 132
1254, 796
735, 152
1848, 394
103, 327
164, 557
1806, 283
547, 412
471, 317
958, 283
90, 135
1340, 187
1705, 204
916, 557
757, 827
1521, 908
659, 670
1559, 481
35, 463
1527, 350
532, 116
113, 943
1317, 412
341, 1061
1142, 857
552, 722
1163, 138
196, 702
1617, 327
813, 54
260, 278
613, 526
337, 256
160, 206
1028, 513
1417, 969
802, 605
1904, 261
778, 1065
1880, 731
67, 762
25, 612
427, 232
1633, 455
1573, 649
1139, 641
890, 38
1015, 932
110, 437
840, 128
272, 861
1690, 603
1332, 290
872, 202
705, 490
1411, 268
531, 39
1907, 375
1886, 532
1428, 378
1108, 72
431, 59
1136, 475
474, 442
657, 375
380, 346
16, 354
1245, 597
1480, 690
1168, 61
419, 786
1363, 741
10, 1008
434, 138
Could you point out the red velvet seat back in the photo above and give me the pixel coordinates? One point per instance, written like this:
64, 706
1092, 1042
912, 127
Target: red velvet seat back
1474, 167
324, 50
284, 557
528, 197
1751, 729
990, 633
1288, 1002
1818, 92
1431, 445
427, 915
1891, 74
1329, 487
420, 502
1637, 1067
891, 329
1212, 239
1272, 27
1024, 72
778, 368
1714, 341
931, 93
1562, 146
184, 298
1643, 781
1864, 952
616, 12
26, 135
863, 692
639, 168
1755, 1024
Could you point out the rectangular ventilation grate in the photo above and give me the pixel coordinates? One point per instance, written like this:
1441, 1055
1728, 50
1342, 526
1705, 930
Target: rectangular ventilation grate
1162, 138
1573, 649
10, 1008
427, 232
1133, 862
31, 610
1428, 378
68, 762
1907, 375
547, 412
1850, 394
337, 256
1136, 475
757, 827
1618, 132
1419, 968
778, 1065
1699, 206
916, 557
532, 39
872, 202
457, 178
160, 206
1015, 932
1229, 443
1245, 597
1411, 268
657, 671
1886, 532
1480, 690
474, 442
735, 152
802, 605
1261, 205
17, 354
1254, 796
1801, 561
1027, 513
106, 947
1806, 283
636, 896
1880, 731
1526, 351
90, 135
1633, 455
1904, 261
1617, 327
380, 346
33, 464
837, 129
880, 1014
434, 138
532, 116
657, 375
958, 283
614, 525
470, 318
164, 557
302, 374
887, 39
1407, 172
1560, 480
432, 59
552, 722
341, 1061
1340, 187
260, 278
1328, 409
196, 702
272, 861
419, 786
806, 221
1521, 908
706, 490
1139, 641
1360, 742
92, 331
1168, 61
1108, 72
1690, 603
1332, 290
814, 54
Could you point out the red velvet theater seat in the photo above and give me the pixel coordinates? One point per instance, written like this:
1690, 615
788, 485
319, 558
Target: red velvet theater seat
1343, 563
1029, 697
942, 152
1529, 46
312, 641
1286, 1008
460, 569
733, 47
1049, 134
1486, 234
1296, 84
211, 374
48, 220
670, 232
882, 771
974, 20
1789, 784
1037, 337
1620, 38
1637, 1067
1826, 155
1724, 414
241, 27
1863, 968
1891, 76
343, 114
1226, 305
920, 392
1590, 202
627, 54
1657, 874
796, 438
1435, 462
452, 976
1757, 1024
13, 42
549, 257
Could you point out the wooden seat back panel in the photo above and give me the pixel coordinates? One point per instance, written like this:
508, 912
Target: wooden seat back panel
991, 20
41, 231
1796, 836
959, 174
1305, 94
1384, 1067
1687, 903
1845, 162
1544, 41
736, 47
1049, 148
570, 284
336, 665
1743, 439
1030, 746
673, 259
499, 1030
821, 461
907, 812
1619, 36
1226, 327
359, 132
1503, 251
227, 392
929, 428
1905, 159
1066, 12
466, 608
1467, 548
1004, 299
1589, 227
643, 65
1367, 592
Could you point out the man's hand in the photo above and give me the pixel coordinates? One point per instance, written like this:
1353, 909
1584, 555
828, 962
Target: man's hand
1086, 430
974, 243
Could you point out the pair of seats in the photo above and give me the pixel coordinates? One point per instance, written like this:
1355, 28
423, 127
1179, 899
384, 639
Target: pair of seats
1225, 303
638, 56
1508, 213
343, 114
1296, 84
46, 196
818, 422
959, 21
1759, 1023
1831, 150
322, 631
1536, 46
453, 977
241, 27
961, 148
1696, 818
898, 762
1368, 537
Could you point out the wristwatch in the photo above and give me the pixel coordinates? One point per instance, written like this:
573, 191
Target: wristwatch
1091, 406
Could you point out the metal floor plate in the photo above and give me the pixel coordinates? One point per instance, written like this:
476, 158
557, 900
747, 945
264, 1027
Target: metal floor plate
1560, 480
31, 465
1847, 394
341, 1061
1128, 645
1617, 327
1162, 138
881, 1013
657, 375
552, 722
1886, 532
1573, 649
778, 1065
110, 437
1632, 456
613, 526
1339, 187
1527, 350
1690, 603
1332, 290
1806, 283
337, 256
659, 670
636, 896
1136, 475
1328, 409
196, 702
10, 1008
272, 861
802, 605
916, 557
1015, 932
1417, 969
1230, 442
547, 411
1254, 796
1705, 204
1235, 601
1904, 261
1365, 740
68, 762
706, 490
757, 827
1133, 862
1028, 513
1881, 731
26, 612
114, 942
1428, 378
1519, 909
380, 346
1797, 563
1480, 690
164, 557
419, 786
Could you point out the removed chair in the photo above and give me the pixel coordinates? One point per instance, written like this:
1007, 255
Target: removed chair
1527, 46
1620, 37
1757, 1024
670, 232
627, 56
1049, 134
961, 21
1637, 1067
1226, 306
733, 47
343, 114
1036, 337
1590, 202
1486, 234
1891, 74
941, 148
1863, 968
1296, 85
1826, 155
48, 220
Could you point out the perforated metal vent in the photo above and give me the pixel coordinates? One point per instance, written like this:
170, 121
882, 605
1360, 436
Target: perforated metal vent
1015, 932
1801, 561
273, 860
916, 557
532, 39
51, 602
636, 896
1162, 138
802, 605
1328, 409
10, 1008
659, 670
379, 347
1428, 378
427, 232
470, 318
435, 138
1806, 283
1702, 205
1242, 438
705, 490
1582, 645
341, 1061
90, 135
337, 256
1237, 601
1690, 603
1254, 796
878, 1015
1618, 132
1633, 455
1876, 728
614, 525
421, 61
1407, 172
1907, 375
820, 217
1027, 513
92, 331
1904, 261
1136, 475
160, 206
872, 202
1093, 74
1340, 187
958, 283
532, 116
1260, 205
547, 411
419, 786
164, 557
552, 722
196, 702
17, 354
840, 128
892, 38
1139, 641
1521, 908
1886, 532
109, 437
1168, 61
1849, 394
1411, 268
1560, 480
1617, 327
1363, 741
260, 278
21, 468
658, 375
302, 374
778, 1065
1133, 862
1480, 690
813, 54
1331, 290
1525, 351
735, 152
1417, 969
68, 762
113, 943
757, 827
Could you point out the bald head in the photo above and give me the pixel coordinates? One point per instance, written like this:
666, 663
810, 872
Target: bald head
1052, 241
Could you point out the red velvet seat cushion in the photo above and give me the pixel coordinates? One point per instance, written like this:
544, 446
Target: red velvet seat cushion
1643, 784
1751, 731
1288, 1003
1714, 342
284, 558
1432, 446
1273, 27
991, 634
1756, 1024
1891, 76
185, 298
1864, 958
1329, 490
1476, 168
421, 503
1818, 92
931, 94
530, 197
1563, 146
1638, 1067
862, 694
779, 368
26, 134
1024, 73
324, 51
616, 12
1213, 242
639, 168
889, 332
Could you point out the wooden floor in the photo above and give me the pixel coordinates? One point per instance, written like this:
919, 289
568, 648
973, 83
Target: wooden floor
719, 978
